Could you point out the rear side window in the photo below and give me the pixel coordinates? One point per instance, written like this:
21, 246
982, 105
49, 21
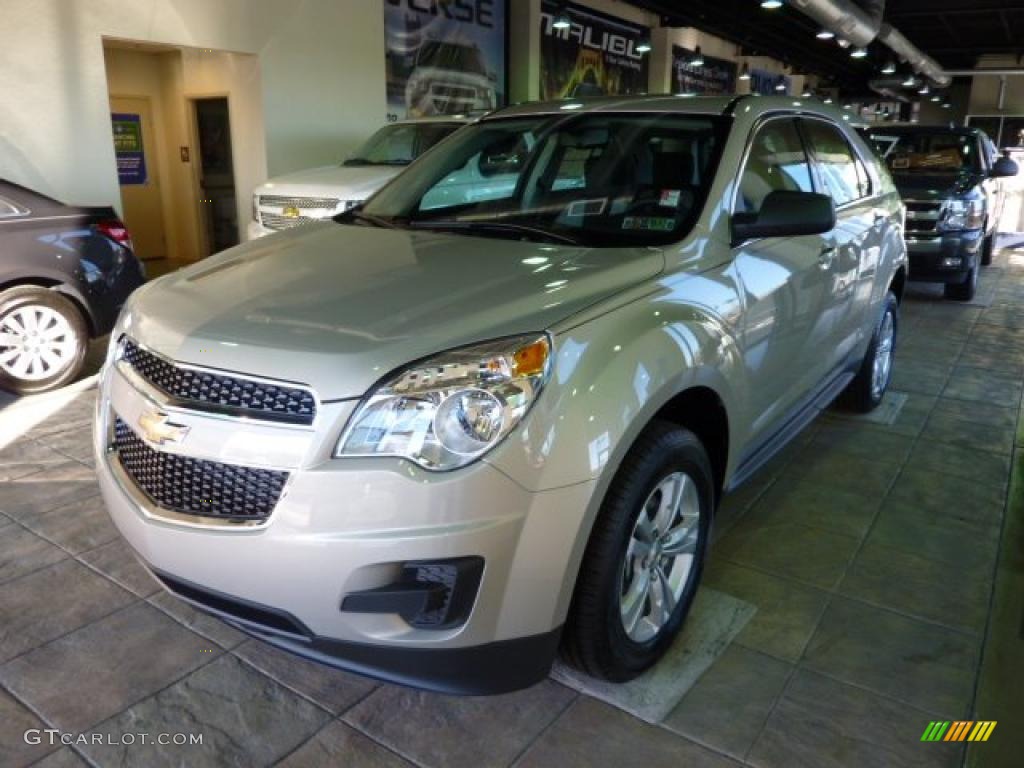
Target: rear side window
844, 175
776, 162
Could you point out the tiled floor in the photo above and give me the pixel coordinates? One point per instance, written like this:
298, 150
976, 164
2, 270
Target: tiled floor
868, 549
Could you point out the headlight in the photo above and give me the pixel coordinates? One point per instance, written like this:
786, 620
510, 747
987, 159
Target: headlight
450, 410
962, 214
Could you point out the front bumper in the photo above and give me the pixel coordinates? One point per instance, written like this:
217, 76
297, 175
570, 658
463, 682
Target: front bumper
256, 230
945, 258
345, 526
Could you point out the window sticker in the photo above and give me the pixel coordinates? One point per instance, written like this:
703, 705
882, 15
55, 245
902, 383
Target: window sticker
593, 207
669, 198
649, 223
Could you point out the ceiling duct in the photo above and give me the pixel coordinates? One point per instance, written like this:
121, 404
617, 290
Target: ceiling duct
862, 23
921, 62
846, 20
890, 88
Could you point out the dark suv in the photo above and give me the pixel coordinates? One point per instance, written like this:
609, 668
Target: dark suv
65, 272
949, 180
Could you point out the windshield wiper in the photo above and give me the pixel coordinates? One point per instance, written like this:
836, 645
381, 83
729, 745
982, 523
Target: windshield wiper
493, 226
356, 214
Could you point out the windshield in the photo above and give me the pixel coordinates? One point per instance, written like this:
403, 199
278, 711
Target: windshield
401, 143
461, 58
598, 179
927, 152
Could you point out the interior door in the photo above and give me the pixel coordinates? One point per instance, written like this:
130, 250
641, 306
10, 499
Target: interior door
138, 174
217, 197
785, 280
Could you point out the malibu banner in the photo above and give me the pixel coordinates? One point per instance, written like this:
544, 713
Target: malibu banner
715, 76
444, 57
595, 54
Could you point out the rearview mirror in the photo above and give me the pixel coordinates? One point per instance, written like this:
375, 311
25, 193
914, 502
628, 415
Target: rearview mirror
786, 214
1004, 166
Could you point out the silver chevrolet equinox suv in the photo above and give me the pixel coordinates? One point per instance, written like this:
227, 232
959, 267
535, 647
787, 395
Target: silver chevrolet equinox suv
490, 413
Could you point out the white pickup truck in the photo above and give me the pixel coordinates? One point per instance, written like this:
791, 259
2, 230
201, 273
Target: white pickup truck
319, 193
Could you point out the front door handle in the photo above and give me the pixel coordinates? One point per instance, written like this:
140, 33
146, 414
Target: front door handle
826, 257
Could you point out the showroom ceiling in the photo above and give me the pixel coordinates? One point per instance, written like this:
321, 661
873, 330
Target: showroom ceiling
954, 32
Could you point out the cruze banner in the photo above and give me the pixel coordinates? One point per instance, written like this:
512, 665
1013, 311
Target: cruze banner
715, 76
765, 83
444, 57
595, 54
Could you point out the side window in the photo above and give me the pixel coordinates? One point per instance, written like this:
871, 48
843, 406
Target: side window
776, 162
836, 162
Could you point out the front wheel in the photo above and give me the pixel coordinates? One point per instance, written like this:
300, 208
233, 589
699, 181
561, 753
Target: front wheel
644, 558
988, 246
43, 340
963, 291
869, 386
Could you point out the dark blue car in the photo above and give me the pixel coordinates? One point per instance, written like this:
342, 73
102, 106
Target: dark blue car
65, 272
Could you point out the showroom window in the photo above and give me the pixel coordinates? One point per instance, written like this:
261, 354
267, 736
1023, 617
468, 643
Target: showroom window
777, 162
836, 162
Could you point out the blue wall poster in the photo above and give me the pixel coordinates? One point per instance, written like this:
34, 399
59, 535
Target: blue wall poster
765, 83
128, 149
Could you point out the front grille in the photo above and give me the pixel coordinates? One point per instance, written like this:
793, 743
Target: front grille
302, 203
197, 486
221, 392
277, 223
922, 216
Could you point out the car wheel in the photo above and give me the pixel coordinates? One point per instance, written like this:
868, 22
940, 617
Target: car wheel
643, 560
988, 246
963, 291
43, 340
869, 386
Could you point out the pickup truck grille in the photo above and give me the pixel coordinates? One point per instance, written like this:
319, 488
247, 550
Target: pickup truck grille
275, 219
277, 223
197, 486
922, 216
206, 390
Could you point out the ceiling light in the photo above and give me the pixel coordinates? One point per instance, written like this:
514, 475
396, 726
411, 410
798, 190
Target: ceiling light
771, 5
910, 82
946, 105
806, 94
562, 20
843, 42
858, 53
889, 68
644, 46
924, 90
825, 34
780, 86
745, 72
936, 98
828, 100
698, 58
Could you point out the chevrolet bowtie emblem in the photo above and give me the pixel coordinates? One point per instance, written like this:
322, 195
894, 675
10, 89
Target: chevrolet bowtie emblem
290, 212
158, 429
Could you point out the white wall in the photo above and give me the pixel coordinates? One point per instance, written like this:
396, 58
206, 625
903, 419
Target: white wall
321, 76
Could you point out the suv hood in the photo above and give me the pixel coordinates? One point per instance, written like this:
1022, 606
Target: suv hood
337, 307
935, 186
355, 182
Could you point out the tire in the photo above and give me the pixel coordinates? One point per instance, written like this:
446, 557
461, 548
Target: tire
665, 459
58, 362
869, 386
988, 246
963, 291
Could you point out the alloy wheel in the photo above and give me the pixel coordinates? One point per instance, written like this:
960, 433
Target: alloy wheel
882, 366
36, 343
660, 556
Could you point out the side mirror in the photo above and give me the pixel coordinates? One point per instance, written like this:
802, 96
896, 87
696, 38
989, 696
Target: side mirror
1003, 167
786, 214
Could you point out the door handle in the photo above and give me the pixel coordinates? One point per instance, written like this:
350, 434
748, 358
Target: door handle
826, 257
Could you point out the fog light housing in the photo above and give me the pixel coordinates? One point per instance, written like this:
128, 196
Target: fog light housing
951, 262
430, 594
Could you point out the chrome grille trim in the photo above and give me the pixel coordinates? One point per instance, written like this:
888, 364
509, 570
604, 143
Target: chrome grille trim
219, 392
308, 203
